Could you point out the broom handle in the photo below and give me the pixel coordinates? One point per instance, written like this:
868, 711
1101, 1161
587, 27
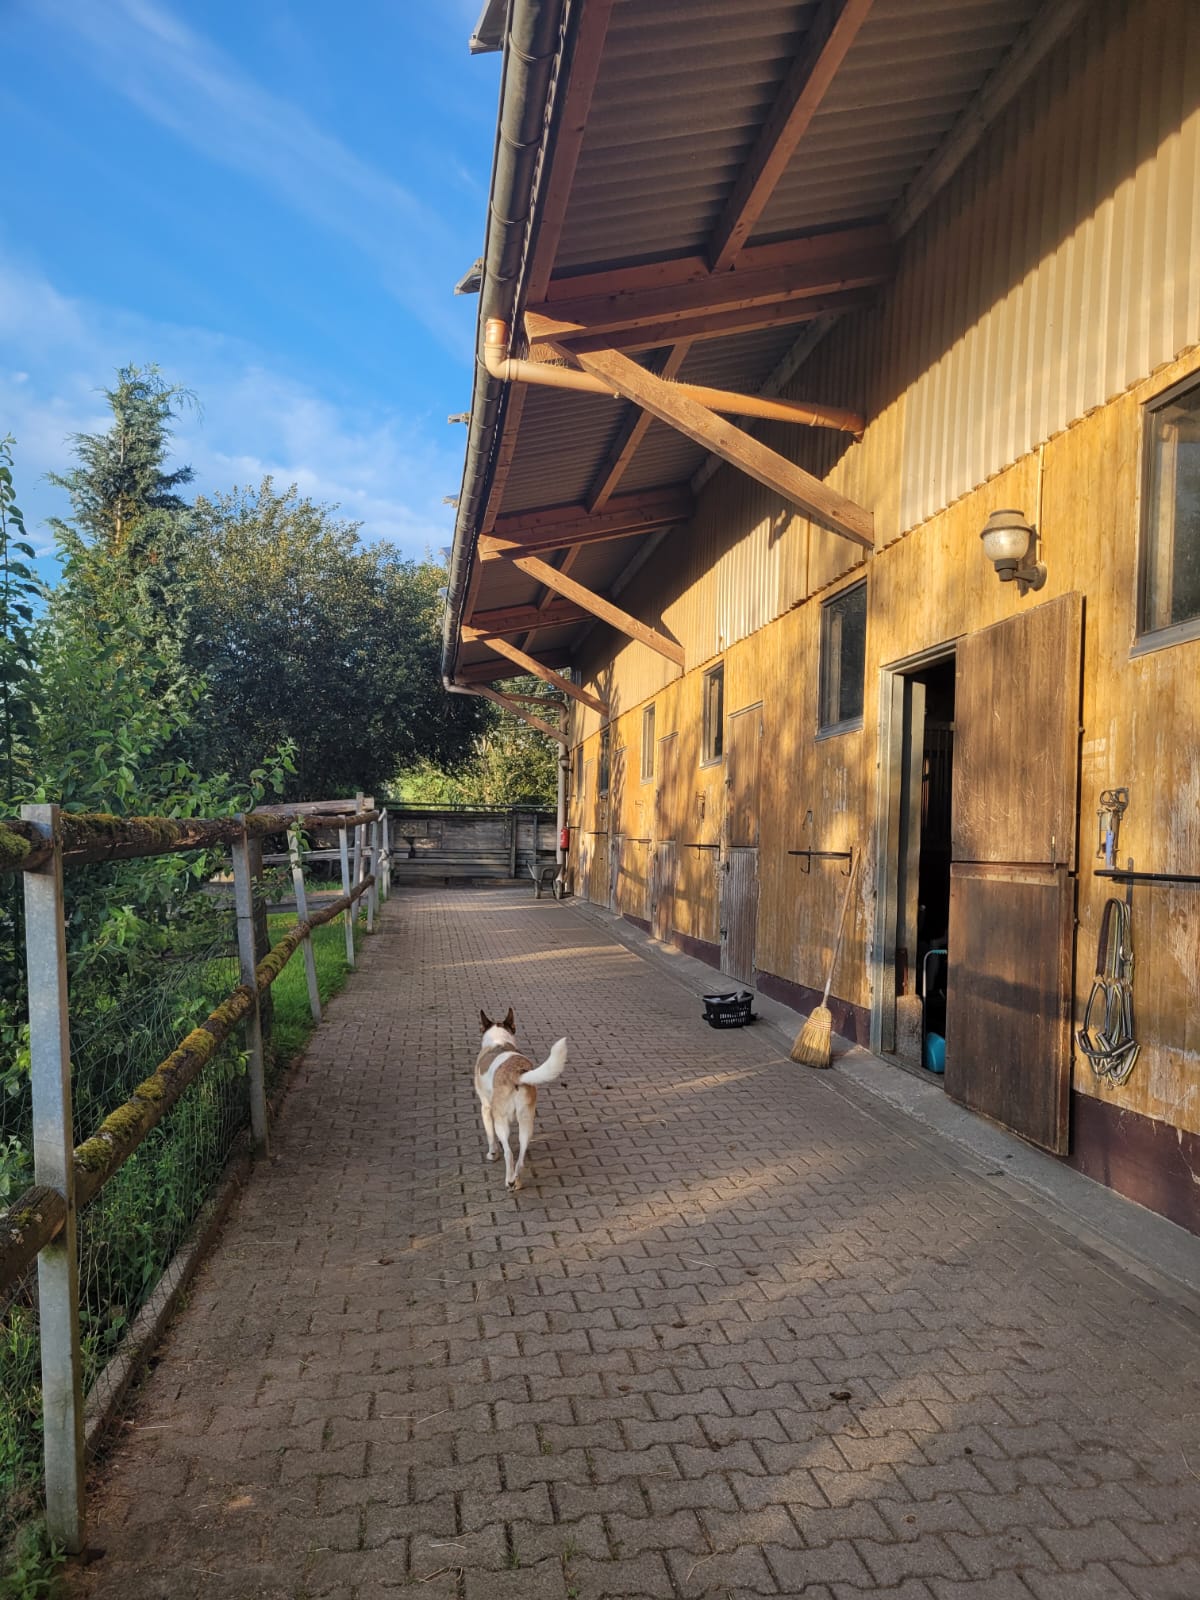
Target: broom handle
841, 924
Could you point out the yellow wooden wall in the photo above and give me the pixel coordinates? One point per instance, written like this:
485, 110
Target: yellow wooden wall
1050, 291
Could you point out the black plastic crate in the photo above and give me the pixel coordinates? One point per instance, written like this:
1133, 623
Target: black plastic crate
730, 1010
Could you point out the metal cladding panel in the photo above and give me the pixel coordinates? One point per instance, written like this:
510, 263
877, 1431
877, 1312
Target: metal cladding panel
562, 440
1062, 265
664, 456
910, 73
681, 93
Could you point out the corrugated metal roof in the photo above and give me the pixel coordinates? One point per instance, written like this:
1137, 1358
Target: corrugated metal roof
681, 93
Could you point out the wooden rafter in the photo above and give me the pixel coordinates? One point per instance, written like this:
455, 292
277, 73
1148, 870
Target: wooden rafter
816, 499
569, 123
717, 324
519, 711
564, 526
546, 600
517, 619
830, 35
488, 671
629, 625
529, 664
627, 304
632, 432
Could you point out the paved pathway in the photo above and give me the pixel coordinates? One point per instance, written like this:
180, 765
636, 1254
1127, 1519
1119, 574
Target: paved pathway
736, 1337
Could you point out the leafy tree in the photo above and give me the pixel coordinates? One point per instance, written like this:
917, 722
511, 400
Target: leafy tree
306, 634
510, 762
19, 589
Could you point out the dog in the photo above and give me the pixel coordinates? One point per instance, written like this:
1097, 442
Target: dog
507, 1085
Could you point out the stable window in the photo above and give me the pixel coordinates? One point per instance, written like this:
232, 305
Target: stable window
1169, 599
647, 744
602, 767
579, 771
843, 659
714, 713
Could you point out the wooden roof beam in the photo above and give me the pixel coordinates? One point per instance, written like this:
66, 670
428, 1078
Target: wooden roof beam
624, 623
561, 527
718, 324
830, 35
663, 400
519, 619
517, 710
488, 671
633, 430
529, 664
809, 270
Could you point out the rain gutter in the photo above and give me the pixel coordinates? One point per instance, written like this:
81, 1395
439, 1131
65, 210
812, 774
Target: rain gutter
530, 54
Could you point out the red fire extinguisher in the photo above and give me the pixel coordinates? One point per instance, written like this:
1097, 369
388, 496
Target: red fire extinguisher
564, 838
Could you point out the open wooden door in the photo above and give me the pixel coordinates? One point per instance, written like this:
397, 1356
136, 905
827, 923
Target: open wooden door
1012, 885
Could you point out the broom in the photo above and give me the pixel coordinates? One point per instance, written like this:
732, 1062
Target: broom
811, 1047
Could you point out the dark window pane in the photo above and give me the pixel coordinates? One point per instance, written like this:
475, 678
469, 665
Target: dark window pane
714, 713
1171, 530
843, 657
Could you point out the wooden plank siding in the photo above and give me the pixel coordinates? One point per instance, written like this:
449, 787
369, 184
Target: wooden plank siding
1052, 288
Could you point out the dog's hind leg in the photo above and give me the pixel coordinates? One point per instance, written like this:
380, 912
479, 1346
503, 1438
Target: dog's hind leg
502, 1127
489, 1127
525, 1110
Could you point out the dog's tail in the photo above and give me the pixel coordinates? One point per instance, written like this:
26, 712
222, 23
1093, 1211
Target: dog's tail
551, 1068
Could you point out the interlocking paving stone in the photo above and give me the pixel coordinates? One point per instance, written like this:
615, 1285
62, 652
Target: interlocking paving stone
735, 1336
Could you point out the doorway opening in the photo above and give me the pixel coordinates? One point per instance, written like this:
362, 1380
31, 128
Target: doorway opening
913, 943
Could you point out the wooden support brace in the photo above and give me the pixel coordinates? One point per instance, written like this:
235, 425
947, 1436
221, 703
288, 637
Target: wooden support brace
534, 567
519, 711
663, 400
528, 663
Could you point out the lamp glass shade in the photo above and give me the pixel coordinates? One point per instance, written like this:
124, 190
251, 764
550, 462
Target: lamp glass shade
1006, 537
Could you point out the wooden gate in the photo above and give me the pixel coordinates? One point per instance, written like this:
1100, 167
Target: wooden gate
1012, 885
739, 913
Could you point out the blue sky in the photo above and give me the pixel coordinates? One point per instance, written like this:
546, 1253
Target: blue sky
273, 202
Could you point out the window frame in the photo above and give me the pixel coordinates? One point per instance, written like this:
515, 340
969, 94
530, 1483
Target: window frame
649, 747
832, 730
1147, 639
710, 757
604, 764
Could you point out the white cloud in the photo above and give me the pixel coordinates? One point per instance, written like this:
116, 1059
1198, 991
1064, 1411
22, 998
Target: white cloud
385, 469
182, 81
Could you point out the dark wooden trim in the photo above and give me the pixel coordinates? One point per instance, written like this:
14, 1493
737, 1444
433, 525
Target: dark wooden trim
1148, 1161
698, 949
850, 1021
638, 922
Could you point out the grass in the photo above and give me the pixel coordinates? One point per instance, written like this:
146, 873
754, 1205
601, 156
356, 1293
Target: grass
293, 1023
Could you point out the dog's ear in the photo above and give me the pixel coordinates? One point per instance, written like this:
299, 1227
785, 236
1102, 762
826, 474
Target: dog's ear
510, 1021
485, 1022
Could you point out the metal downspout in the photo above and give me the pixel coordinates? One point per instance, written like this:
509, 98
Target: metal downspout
531, 49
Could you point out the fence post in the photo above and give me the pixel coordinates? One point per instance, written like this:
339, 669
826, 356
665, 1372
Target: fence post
371, 862
386, 826
310, 961
54, 1166
514, 825
243, 895
344, 847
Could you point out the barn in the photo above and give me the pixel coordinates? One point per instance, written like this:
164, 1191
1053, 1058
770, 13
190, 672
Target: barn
834, 454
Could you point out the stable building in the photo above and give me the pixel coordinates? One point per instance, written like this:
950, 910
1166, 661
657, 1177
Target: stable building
835, 453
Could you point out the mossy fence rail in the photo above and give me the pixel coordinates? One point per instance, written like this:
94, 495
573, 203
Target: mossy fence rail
41, 1224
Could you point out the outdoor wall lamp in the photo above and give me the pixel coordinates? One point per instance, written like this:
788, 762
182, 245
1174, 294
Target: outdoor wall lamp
1010, 543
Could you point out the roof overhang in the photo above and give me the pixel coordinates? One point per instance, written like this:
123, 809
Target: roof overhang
685, 198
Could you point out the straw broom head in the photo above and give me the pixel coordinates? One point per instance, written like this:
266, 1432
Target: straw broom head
811, 1046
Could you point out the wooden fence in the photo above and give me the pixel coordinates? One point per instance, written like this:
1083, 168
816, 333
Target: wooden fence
41, 1224
447, 844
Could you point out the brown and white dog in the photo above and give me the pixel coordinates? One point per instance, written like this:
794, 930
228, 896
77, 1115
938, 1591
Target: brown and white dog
507, 1085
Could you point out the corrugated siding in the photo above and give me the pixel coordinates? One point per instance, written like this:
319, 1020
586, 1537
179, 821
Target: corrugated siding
1063, 264
903, 84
